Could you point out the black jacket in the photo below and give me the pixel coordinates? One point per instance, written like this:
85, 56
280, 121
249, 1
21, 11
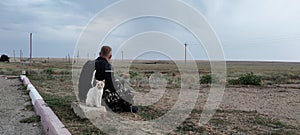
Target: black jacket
104, 71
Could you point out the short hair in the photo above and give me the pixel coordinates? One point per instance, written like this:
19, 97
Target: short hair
105, 50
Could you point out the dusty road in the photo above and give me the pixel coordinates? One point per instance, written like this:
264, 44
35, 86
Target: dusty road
13, 104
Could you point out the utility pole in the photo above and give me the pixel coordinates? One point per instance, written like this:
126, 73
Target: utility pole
78, 55
185, 45
69, 58
122, 56
14, 55
20, 55
30, 49
185, 48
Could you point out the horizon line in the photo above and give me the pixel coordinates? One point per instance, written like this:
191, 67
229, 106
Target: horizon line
206, 60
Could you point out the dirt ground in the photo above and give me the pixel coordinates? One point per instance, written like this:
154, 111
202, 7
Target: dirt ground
247, 110
280, 103
13, 103
273, 108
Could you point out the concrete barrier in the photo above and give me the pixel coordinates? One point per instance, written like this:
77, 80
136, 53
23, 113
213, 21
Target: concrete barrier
25, 80
34, 94
50, 122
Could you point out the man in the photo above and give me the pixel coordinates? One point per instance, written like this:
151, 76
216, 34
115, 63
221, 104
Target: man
104, 69
111, 94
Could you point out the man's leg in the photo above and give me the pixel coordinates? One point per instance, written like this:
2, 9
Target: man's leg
112, 100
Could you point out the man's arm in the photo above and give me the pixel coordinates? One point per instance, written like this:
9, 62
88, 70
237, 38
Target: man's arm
109, 77
99, 70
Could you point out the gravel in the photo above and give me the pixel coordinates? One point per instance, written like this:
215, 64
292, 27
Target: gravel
12, 110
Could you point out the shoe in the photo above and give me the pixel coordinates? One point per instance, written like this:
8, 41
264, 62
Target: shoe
134, 109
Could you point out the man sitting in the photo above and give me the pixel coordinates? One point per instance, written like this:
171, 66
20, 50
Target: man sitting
115, 95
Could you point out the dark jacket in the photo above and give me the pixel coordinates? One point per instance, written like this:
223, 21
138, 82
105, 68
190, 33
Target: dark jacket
104, 71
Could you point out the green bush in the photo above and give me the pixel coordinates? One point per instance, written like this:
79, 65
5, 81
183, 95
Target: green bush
133, 74
246, 79
234, 82
207, 79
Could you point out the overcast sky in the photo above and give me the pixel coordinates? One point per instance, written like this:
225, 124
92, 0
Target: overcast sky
247, 29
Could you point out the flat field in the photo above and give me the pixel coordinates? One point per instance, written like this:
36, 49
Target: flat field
271, 106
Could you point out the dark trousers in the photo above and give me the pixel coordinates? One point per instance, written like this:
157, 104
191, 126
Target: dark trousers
115, 102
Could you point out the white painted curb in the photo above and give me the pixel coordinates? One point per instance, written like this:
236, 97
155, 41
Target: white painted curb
50, 122
34, 95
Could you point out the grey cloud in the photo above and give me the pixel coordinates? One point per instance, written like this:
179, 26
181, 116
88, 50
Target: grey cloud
244, 26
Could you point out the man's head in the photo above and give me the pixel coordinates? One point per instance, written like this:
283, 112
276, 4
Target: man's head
106, 52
